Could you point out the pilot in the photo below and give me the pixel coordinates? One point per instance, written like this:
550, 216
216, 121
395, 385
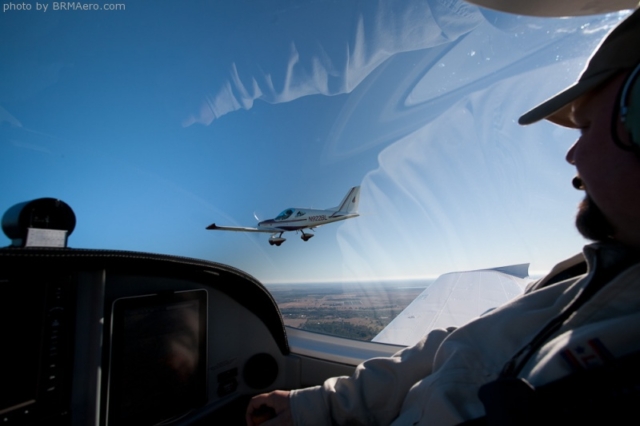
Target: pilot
566, 350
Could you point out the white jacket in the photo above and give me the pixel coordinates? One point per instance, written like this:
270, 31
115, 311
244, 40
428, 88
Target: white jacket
436, 381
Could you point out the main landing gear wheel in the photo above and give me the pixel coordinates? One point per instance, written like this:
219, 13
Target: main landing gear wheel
276, 240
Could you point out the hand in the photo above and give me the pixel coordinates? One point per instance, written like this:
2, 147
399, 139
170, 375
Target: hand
270, 409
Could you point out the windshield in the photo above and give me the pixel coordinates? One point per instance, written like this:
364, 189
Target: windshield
153, 120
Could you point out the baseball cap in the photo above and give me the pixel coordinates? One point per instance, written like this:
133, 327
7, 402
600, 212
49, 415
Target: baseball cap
618, 51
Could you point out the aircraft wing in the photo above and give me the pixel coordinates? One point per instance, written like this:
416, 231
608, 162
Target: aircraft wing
215, 227
453, 300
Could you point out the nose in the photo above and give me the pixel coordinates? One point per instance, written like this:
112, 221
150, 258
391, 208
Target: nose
570, 154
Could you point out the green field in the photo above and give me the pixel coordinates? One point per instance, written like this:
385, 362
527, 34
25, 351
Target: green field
347, 310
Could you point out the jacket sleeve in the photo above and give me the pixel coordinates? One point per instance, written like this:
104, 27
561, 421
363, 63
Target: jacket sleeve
374, 394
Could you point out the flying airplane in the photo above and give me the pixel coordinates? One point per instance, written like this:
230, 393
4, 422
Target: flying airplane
299, 219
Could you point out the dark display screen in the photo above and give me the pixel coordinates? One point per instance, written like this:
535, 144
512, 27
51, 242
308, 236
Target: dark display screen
158, 357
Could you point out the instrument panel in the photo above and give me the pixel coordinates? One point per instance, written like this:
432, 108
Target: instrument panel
123, 338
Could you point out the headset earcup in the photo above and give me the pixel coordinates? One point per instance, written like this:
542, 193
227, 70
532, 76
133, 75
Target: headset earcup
632, 121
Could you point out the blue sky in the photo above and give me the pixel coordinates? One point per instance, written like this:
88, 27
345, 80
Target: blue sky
155, 121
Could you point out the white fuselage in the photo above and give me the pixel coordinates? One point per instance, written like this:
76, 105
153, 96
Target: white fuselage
295, 219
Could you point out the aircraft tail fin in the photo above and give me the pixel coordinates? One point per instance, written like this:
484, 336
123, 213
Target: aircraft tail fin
350, 202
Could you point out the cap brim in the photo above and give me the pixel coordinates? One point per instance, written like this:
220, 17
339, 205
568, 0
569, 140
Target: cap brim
558, 108
555, 8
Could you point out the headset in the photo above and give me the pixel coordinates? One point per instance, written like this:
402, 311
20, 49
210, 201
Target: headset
629, 112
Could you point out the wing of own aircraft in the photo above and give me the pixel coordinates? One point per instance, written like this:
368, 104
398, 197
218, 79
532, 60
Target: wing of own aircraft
453, 300
299, 219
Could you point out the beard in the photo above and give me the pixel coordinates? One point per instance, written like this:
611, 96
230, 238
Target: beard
591, 222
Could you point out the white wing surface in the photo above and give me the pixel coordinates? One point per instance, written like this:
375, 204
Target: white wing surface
453, 300
215, 227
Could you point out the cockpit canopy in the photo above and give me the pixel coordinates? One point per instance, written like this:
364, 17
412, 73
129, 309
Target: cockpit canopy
285, 214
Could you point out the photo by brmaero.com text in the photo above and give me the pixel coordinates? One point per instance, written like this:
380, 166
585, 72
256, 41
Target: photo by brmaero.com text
60, 6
